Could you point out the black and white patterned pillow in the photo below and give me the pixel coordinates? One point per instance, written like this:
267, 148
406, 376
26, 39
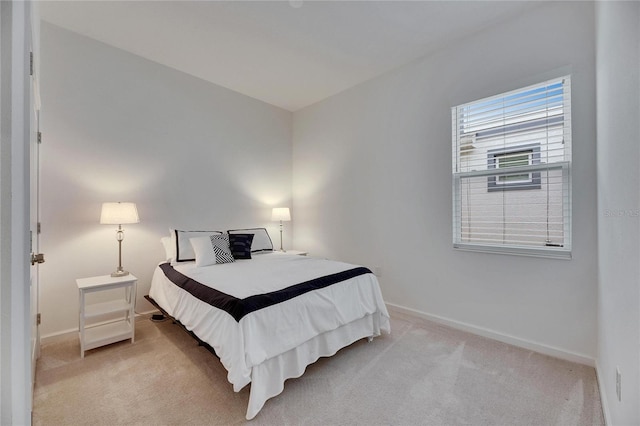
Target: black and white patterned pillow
220, 245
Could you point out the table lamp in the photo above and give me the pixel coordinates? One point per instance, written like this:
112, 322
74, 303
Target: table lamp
283, 215
119, 214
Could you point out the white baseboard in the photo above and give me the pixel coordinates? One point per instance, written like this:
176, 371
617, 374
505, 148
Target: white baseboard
501, 337
73, 332
603, 396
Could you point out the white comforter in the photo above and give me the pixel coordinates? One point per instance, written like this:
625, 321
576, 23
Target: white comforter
277, 329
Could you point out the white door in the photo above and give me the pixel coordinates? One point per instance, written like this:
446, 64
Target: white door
34, 198
36, 256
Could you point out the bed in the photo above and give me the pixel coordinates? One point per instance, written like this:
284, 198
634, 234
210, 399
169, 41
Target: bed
269, 316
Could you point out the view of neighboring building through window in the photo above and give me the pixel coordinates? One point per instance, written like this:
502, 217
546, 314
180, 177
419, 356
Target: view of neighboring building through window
511, 174
514, 157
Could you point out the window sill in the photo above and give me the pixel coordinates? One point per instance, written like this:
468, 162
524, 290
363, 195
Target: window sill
547, 253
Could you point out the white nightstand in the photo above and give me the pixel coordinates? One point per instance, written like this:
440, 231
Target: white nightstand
103, 334
298, 252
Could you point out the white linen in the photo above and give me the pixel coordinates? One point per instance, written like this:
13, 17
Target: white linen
247, 348
263, 273
267, 379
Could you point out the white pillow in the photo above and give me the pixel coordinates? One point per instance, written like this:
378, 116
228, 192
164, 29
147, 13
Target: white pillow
205, 255
261, 240
212, 249
180, 240
169, 250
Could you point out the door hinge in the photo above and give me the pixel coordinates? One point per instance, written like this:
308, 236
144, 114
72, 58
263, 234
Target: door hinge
30, 63
38, 319
39, 137
39, 228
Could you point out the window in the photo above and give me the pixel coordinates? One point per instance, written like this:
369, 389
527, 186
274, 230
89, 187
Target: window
511, 172
520, 156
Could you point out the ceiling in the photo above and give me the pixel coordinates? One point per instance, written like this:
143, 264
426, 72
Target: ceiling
287, 53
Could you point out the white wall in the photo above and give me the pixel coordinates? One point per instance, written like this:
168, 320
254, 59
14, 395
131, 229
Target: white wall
618, 64
372, 184
121, 128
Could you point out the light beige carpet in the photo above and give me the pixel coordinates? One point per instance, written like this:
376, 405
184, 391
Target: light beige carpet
421, 374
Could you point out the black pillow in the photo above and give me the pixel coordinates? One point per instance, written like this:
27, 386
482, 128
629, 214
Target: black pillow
240, 245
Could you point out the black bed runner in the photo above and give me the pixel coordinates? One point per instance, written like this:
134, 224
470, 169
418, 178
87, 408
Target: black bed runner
238, 308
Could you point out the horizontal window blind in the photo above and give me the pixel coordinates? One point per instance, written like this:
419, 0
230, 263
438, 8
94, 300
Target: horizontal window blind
511, 171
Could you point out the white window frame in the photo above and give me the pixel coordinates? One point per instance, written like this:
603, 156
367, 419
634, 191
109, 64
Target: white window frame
460, 144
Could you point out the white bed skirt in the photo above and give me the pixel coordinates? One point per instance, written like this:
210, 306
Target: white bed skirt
267, 379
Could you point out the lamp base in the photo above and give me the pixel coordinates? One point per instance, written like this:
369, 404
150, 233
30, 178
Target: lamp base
120, 273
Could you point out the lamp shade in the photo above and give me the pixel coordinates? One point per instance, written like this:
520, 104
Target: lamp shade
119, 213
281, 213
